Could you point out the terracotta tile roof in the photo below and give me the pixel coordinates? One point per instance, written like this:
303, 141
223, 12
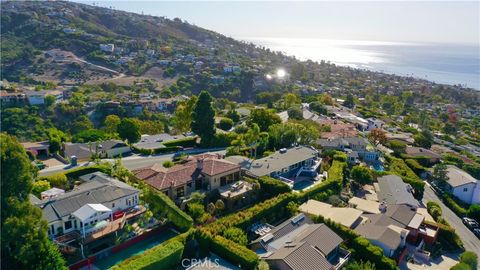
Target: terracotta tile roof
178, 175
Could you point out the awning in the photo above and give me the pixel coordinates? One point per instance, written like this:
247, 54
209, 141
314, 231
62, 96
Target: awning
88, 210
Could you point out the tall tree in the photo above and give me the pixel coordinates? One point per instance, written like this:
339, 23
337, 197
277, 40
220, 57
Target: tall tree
203, 122
111, 123
377, 136
24, 242
182, 117
129, 130
263, 118
349, 102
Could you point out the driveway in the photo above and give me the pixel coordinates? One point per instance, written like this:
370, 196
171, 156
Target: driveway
470, 241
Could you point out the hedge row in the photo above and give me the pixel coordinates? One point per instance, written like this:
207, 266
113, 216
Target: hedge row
333, 182
185, 142
162, 150
165, 256
398, 167
270, 187
423, 160
414, 165
227, 249
359, 246
75, 173
451, 203
161, 204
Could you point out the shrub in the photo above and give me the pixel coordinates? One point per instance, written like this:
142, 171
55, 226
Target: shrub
236, 235
225, 124
361, 175
168, 164
434, 209
196, 210
414, 165
40, 186
160, 204
184, 142
461, 266
164, 256
56, 180
342, 157
271, 187
451, 203
469, 258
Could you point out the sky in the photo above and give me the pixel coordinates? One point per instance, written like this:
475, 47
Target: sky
405, 21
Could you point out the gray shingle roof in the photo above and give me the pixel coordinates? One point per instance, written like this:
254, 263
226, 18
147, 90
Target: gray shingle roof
383, 234
302, 256
98, 188
394, 191
277, 161
457, 177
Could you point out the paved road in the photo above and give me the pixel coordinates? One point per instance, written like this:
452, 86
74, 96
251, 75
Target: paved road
470, 241
131, 162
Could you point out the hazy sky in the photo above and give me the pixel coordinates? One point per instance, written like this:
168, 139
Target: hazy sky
407, 21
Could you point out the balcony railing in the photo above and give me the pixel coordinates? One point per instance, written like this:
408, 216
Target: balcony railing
343, 256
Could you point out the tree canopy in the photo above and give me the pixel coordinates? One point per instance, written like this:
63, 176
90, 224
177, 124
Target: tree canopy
203, 122
129, 130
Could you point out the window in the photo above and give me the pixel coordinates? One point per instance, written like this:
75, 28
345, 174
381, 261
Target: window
465, 189
113, 205
52, 229
68, 225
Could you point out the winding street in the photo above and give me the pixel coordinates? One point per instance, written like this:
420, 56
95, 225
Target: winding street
131, 162
470, 241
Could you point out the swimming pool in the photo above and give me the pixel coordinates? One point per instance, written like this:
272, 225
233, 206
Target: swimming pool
135, 249
300, 185
378, 167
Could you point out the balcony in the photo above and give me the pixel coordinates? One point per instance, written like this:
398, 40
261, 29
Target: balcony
341, 258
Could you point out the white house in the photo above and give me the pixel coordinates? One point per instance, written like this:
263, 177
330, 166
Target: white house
462, 185
89, 206
107, 47
38, 97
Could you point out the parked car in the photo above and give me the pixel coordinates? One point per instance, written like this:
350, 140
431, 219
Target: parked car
470, 223
477, 232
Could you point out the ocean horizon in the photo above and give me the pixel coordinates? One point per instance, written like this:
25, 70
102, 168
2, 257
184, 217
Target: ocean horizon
441, 63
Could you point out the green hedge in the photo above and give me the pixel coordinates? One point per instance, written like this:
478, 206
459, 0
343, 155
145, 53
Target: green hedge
185, 142
271, 187
161, 204
360, 247
161, 150
332, 184
74, 174
227, 249
422, 160
455, 206
162, 257
414, 165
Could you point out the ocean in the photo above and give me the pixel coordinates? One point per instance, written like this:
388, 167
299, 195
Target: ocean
440, 63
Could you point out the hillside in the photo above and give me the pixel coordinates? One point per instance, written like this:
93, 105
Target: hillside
175, 49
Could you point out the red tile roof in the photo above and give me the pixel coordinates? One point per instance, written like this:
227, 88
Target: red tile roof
162, 178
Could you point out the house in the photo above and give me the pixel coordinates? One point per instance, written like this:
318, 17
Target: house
104, 149
356, 147
422, 152
337, 129
394, 226
37, 148
374, 123
109, 48
207, 172
38, 97
349, 217
392, 190
462, 185
404, 137
156, 141
287, 163
298, 244
88, 206
12, 98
